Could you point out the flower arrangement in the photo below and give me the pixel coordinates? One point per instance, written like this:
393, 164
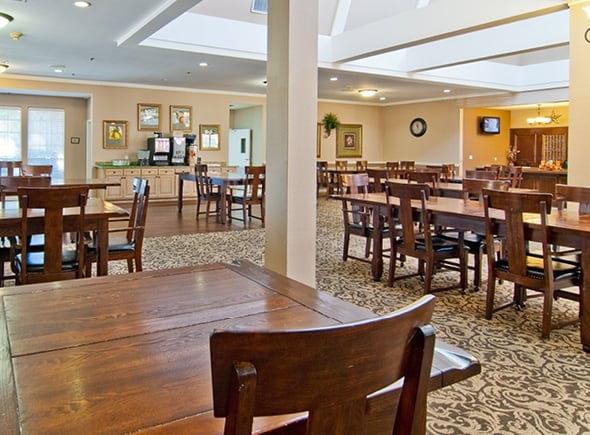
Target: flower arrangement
512, 154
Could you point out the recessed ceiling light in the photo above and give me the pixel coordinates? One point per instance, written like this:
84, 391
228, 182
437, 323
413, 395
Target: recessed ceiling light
81, 4
382, 98
203, 64
58, 68
333, 79
446, 91
367, 92
4, 19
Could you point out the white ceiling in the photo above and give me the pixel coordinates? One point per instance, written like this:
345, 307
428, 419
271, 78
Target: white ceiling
410, 50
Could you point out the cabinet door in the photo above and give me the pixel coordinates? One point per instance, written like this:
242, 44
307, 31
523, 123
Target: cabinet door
114, 176
529, 148
166, 177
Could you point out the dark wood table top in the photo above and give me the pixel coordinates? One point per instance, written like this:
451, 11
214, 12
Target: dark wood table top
119, 354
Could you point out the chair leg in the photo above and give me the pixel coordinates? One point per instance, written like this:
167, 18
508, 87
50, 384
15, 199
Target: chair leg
547, 311
392, 261
428, 273
490, 295
345, 247
477, 260
130, 265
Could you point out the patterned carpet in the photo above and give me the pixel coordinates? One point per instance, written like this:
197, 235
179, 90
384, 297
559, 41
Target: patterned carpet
527, 385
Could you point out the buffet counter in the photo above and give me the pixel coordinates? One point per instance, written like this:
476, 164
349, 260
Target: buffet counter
543, 180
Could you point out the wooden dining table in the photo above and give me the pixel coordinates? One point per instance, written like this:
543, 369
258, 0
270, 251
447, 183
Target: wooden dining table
566, 228
222, 179
130, 353
97, 215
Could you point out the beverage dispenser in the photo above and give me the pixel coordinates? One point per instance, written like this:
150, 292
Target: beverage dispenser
160, 150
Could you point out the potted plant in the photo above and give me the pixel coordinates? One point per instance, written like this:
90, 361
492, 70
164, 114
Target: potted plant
330, 122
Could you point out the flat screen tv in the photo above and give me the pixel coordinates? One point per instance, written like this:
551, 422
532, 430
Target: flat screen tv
490, 124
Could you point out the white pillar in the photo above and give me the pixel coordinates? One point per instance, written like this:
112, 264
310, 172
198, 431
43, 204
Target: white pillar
579, 108
291, 138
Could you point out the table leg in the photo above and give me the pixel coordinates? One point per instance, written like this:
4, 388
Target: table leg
102, 235
223, 205
180, 191
377, 261
585, 298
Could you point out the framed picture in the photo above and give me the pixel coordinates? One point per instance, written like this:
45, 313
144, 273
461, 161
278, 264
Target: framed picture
148, 116
114, 134
319, 140
209, 137
349, 140
181, 118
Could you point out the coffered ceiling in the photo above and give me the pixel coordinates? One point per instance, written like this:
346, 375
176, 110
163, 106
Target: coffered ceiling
409, 50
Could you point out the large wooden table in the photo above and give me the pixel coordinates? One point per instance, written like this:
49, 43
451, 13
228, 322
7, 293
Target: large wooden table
566, 228
127, 353
97, 214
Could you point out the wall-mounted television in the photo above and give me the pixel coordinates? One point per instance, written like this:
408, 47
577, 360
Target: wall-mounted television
490, 124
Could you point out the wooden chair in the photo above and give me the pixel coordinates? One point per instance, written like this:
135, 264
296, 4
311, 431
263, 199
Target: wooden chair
362, 165
358, 220
407, 165
514, 175
126, 243
341, 165
430, 177
542, 273
377, 179
394, 170
55, 262
334, 372
565, 193
10, 168
322, 177
206, 192
9, 185
431, 250
476, 243
251, 194
36, 170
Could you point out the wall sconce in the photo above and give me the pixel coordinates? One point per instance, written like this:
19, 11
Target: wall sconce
5, 19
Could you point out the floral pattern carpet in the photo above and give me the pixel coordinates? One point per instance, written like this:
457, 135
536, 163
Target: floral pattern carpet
527, 385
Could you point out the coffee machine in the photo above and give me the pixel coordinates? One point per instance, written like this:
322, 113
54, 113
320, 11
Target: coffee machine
178, 150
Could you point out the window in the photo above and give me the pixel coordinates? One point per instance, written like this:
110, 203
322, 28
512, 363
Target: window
10, 133
46, 136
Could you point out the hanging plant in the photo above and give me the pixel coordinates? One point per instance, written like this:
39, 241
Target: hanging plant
330, 122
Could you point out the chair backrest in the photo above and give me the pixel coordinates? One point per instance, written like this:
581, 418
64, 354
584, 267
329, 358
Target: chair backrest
254, 189
9, 184
514, 204
355, 183
138, 214
37, 170
472, 187
322, 173
361, 165
327, 371
514, 175
405, 193
202, 180
53, 201
431, 177
481, 175
377, 179
579, 194
341, 165
10, 168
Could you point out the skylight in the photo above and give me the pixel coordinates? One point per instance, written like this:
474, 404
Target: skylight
260, 6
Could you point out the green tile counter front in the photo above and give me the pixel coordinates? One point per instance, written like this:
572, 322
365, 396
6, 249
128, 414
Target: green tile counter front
543, 180
162, 180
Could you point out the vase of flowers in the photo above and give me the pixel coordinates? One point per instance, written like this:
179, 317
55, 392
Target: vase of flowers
512, 154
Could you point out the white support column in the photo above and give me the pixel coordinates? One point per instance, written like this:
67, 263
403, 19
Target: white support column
579, 108
291, 138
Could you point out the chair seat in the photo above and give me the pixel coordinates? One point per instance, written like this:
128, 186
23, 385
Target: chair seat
535, 270
35, 261
439, 244
116, 244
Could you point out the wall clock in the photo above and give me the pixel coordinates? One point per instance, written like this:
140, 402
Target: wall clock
418, 127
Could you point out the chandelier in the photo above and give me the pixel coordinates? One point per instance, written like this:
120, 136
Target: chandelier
539, 120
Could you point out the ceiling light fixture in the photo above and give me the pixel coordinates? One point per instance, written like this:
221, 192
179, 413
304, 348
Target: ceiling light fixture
82, 4
5, 19
58, 68
203, 64
3, 67
367, 92
538, 120
333, 79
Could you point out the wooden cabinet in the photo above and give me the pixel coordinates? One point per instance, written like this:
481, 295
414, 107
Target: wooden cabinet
537, 144
543, 181
163, 181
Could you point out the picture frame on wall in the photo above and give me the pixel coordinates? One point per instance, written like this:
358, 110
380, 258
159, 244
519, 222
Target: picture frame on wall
114, 134
319, 140
181, 118
349, 140
209, 137
149, 116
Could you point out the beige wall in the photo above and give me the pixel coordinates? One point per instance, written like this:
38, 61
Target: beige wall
481, 149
